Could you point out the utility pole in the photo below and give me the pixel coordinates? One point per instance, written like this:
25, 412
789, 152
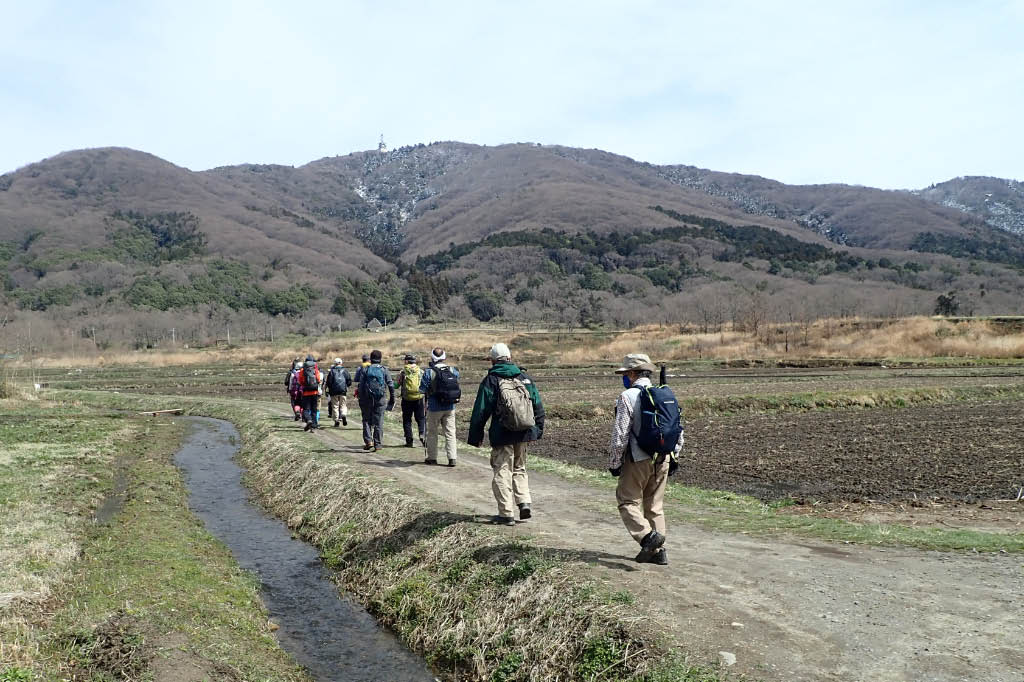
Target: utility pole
173, 338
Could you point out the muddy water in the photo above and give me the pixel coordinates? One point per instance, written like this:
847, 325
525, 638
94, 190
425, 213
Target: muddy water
331, 636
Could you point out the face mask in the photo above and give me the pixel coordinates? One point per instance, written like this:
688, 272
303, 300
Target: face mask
625, 381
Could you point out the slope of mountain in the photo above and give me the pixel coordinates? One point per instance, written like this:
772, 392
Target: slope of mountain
998, 202
542, 232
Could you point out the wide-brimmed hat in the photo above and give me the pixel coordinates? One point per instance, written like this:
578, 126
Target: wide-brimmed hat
636, 361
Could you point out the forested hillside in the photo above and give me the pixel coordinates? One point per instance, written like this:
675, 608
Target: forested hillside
114, 246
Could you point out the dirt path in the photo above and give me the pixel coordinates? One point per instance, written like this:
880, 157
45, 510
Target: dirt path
787, 609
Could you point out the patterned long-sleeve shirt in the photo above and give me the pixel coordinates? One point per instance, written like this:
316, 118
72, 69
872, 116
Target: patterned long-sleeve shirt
625, 429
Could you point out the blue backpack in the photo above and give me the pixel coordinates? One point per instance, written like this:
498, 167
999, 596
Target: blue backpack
373, 382
660, 421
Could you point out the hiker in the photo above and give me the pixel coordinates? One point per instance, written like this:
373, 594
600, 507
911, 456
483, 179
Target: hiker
310, 379
376, 393
412, 400
440, 384
294, 388
510, 396
338, 381
643, 453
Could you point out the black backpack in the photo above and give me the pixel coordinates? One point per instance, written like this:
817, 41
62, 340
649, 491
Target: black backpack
445, 386
660, 421
336, 381
309, 382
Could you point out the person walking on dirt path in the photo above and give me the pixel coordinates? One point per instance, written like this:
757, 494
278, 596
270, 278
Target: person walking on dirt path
376, 391
642, 476
294, 388
412, 400
440, 384
310, 379
338, 381
510, 396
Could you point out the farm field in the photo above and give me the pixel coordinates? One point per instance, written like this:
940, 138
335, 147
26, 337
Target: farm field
926, 444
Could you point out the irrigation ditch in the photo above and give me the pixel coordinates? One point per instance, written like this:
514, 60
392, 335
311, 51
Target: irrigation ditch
332, 637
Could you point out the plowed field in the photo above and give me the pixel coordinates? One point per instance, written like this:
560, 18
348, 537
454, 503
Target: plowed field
968, 451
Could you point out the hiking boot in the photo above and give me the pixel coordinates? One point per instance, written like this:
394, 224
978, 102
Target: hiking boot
344, 421
423, 441
503, 521
649, 546
377, 446
661, 558
298, 416
309, 426
430, 461
451, 462
336, 423
408, 443
524, 511
367, 446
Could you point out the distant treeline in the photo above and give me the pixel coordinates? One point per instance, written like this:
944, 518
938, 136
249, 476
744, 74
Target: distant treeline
743, 243
997, 249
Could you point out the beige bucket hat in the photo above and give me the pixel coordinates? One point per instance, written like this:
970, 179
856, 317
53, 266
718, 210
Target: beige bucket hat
636, 361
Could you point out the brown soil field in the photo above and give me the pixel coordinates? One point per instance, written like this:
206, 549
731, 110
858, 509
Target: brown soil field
966, 452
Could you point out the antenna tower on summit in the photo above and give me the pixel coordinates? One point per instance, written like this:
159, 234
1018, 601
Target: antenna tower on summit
381, 147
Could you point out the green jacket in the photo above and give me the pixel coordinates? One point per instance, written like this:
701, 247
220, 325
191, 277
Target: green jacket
483, 408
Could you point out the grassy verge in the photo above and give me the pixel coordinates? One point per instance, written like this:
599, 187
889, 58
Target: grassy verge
808, 401
146, 592
476, 602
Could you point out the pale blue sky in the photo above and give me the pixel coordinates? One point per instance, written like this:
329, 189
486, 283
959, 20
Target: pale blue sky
887, 94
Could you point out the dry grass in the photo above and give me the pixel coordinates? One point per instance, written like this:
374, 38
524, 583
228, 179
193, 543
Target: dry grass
916, 337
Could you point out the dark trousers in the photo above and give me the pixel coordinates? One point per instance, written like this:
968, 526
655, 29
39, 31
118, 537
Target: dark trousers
311, 409
410, 409
373, 417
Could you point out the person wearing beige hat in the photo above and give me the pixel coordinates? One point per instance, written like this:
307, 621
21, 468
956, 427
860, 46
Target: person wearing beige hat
642, 475
509, 395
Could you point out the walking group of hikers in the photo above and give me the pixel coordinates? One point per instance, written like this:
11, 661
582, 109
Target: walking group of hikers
647, 435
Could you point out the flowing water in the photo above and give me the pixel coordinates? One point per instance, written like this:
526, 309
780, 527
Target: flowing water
332, 636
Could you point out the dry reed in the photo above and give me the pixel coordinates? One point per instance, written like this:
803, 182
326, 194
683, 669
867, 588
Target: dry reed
853, 338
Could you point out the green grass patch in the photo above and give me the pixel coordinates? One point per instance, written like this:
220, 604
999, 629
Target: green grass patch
148, 587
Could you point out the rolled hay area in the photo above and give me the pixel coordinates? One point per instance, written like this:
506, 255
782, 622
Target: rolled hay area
477, 603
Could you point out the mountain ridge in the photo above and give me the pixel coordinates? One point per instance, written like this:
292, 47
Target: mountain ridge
337, 240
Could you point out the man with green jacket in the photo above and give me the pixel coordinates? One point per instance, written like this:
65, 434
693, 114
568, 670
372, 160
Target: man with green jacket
510, 396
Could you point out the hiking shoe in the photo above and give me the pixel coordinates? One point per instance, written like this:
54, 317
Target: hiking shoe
377, 446
661, 558
430, 461
524, 511
308, 426
298, 417
408, 443
344, 421
649, 546
423, 441
367, 446
503, 521
451, 462
336, 423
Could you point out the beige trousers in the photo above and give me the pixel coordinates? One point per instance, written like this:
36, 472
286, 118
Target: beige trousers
441, 422
510, 484
641, 496
339, 405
